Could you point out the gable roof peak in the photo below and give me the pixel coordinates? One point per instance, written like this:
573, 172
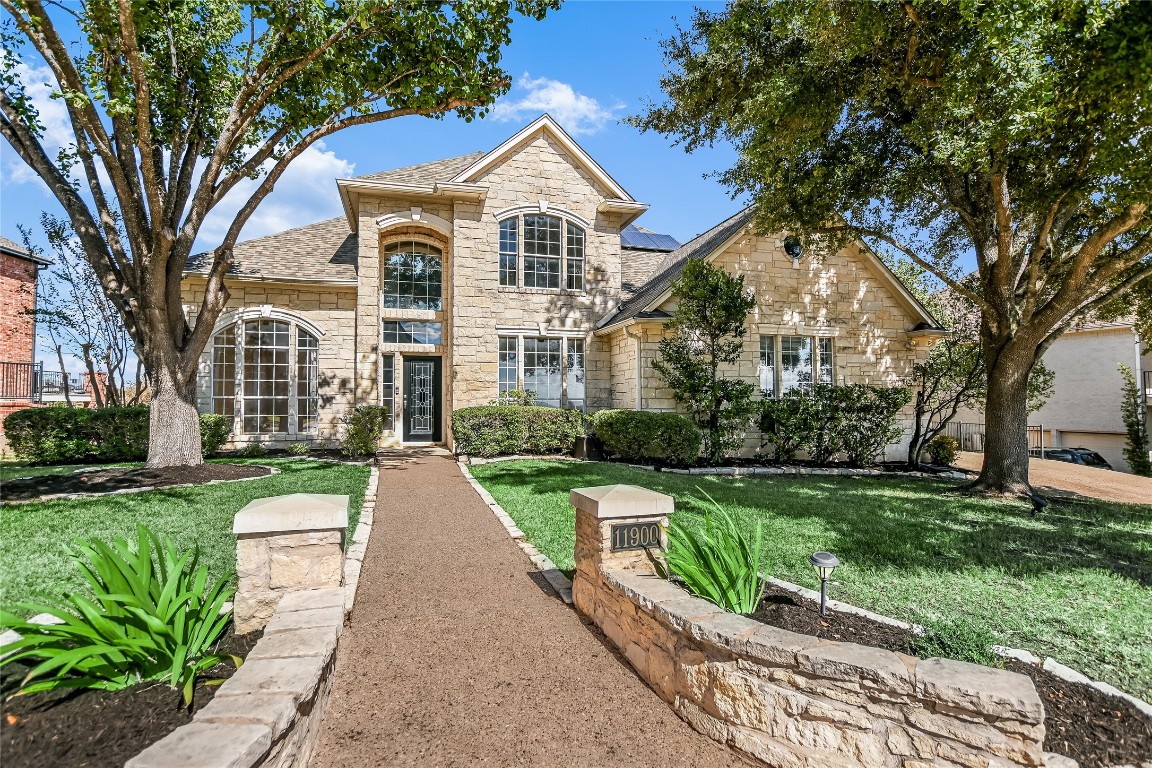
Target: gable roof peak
548, 125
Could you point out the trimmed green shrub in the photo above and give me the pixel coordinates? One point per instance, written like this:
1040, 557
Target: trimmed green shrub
719, 562
252, 451
516, 397
855, 419
943, 450
500, 430
69, 435
363, 428
214, 432
153, 617
299, 449
647, 436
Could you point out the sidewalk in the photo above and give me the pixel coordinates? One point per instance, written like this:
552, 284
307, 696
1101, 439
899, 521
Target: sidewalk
458, 653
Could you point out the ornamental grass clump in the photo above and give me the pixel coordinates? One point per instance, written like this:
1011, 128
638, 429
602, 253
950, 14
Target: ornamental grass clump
719, 562
152, 617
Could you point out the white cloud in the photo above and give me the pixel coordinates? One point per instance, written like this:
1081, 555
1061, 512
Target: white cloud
57, 133
304, 194
577, 112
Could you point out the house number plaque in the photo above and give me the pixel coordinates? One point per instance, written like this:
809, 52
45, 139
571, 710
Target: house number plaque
635, 536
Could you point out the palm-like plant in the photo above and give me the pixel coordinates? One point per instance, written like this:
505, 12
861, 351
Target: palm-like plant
151, 618
720, 562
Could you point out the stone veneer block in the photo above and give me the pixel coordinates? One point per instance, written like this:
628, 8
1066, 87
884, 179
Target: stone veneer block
979, 689
272, 710
297, 678
851, 662
286, 544
313, 641
207, 745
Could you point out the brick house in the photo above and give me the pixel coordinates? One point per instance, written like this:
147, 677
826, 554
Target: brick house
18, 383
520, 268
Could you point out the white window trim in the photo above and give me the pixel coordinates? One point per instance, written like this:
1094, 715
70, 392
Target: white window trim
566, 217
533, 333
778, 359
294, 324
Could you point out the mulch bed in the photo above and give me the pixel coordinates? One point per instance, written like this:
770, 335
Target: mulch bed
99, 480
1081, 722
94, 729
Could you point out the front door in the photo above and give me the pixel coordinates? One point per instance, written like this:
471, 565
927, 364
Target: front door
421, 399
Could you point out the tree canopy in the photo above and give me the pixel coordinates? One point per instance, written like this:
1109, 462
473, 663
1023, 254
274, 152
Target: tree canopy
1012, 135
173, 103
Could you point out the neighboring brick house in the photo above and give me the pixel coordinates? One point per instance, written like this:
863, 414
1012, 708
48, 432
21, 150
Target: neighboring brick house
18, 381
449, 282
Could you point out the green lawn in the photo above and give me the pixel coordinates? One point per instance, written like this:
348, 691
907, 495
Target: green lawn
1074, 583
33, 536
11, 470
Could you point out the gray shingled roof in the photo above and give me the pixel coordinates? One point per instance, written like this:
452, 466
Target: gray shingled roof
438, 170
322, 251
670, 267
14, 248
636, 267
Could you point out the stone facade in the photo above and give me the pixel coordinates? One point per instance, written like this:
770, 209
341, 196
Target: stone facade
457, 205
785, 699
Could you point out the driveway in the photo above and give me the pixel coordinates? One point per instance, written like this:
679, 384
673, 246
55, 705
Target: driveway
1062, 478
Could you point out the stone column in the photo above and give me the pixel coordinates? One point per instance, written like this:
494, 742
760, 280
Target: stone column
286, 544
601, 509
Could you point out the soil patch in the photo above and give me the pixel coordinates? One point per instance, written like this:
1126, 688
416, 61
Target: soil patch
98, 480
1081, 722
94, 729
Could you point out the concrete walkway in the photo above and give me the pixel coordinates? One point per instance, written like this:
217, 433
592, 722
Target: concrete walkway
459, 654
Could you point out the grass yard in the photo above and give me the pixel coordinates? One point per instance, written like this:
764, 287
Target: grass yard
1074, 583
11, 470
34, 536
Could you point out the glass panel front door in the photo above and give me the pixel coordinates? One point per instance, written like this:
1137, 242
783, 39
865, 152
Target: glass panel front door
421, 399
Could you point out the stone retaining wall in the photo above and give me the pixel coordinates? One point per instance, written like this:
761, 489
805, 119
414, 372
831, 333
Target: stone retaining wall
787, 699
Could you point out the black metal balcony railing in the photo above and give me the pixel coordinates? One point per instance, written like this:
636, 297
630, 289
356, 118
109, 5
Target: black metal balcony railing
29, 381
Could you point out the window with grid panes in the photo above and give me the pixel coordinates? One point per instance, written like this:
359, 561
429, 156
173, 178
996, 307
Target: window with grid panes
542, 251
553, 368
413, 273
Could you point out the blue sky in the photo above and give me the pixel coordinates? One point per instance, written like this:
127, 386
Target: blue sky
589, 64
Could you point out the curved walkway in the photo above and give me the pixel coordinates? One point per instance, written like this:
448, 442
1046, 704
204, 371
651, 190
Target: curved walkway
459, 654
1059, 478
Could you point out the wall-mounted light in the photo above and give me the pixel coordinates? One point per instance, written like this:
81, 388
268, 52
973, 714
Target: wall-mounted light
794, 248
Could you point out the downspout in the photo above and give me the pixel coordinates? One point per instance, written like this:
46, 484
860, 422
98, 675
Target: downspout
639, 368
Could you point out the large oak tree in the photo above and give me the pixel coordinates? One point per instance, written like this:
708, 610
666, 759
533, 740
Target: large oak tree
1016, 135
173, 103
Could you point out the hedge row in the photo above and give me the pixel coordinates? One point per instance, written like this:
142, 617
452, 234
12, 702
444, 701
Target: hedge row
496, 430
647, 436
69, 435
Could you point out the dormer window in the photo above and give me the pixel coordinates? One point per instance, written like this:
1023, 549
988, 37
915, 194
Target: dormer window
541, 251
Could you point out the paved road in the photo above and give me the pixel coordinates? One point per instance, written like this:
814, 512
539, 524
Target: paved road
1072, 479
458, 654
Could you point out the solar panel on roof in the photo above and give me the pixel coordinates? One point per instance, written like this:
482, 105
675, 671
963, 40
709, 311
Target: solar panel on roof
631, 237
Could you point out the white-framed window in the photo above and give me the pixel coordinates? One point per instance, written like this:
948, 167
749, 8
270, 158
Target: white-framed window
413, 276
540, 250
265, 376
552, 367
794, 363
388, 388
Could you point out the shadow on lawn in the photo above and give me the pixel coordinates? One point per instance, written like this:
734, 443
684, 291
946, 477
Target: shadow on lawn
908, 524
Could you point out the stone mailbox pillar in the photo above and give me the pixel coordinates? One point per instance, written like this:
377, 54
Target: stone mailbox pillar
616, 527
286, 544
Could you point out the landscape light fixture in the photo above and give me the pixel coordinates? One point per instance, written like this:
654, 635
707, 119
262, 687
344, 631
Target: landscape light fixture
824, 563
793, 248
1038, 503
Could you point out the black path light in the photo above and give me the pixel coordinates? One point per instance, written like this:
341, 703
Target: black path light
824, 563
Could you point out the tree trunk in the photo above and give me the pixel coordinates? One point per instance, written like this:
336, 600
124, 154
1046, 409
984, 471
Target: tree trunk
63, 376
173, 422
1005, 468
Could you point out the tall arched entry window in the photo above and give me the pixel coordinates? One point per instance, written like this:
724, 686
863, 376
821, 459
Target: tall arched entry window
265, 376
413, 276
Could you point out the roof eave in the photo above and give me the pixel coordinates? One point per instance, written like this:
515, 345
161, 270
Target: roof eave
27, 256
263, 278
629, 209
351, 189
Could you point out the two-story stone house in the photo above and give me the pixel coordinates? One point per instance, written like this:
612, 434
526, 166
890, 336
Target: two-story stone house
519, 268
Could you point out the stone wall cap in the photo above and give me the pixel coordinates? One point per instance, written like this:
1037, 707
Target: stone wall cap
293, 512
615, 501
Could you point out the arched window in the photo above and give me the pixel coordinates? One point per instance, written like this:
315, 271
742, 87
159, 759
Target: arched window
541, 251
274, 390
413, 273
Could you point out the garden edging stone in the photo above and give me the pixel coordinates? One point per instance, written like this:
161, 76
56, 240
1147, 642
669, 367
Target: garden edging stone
268, 714
553, 575
142, 489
